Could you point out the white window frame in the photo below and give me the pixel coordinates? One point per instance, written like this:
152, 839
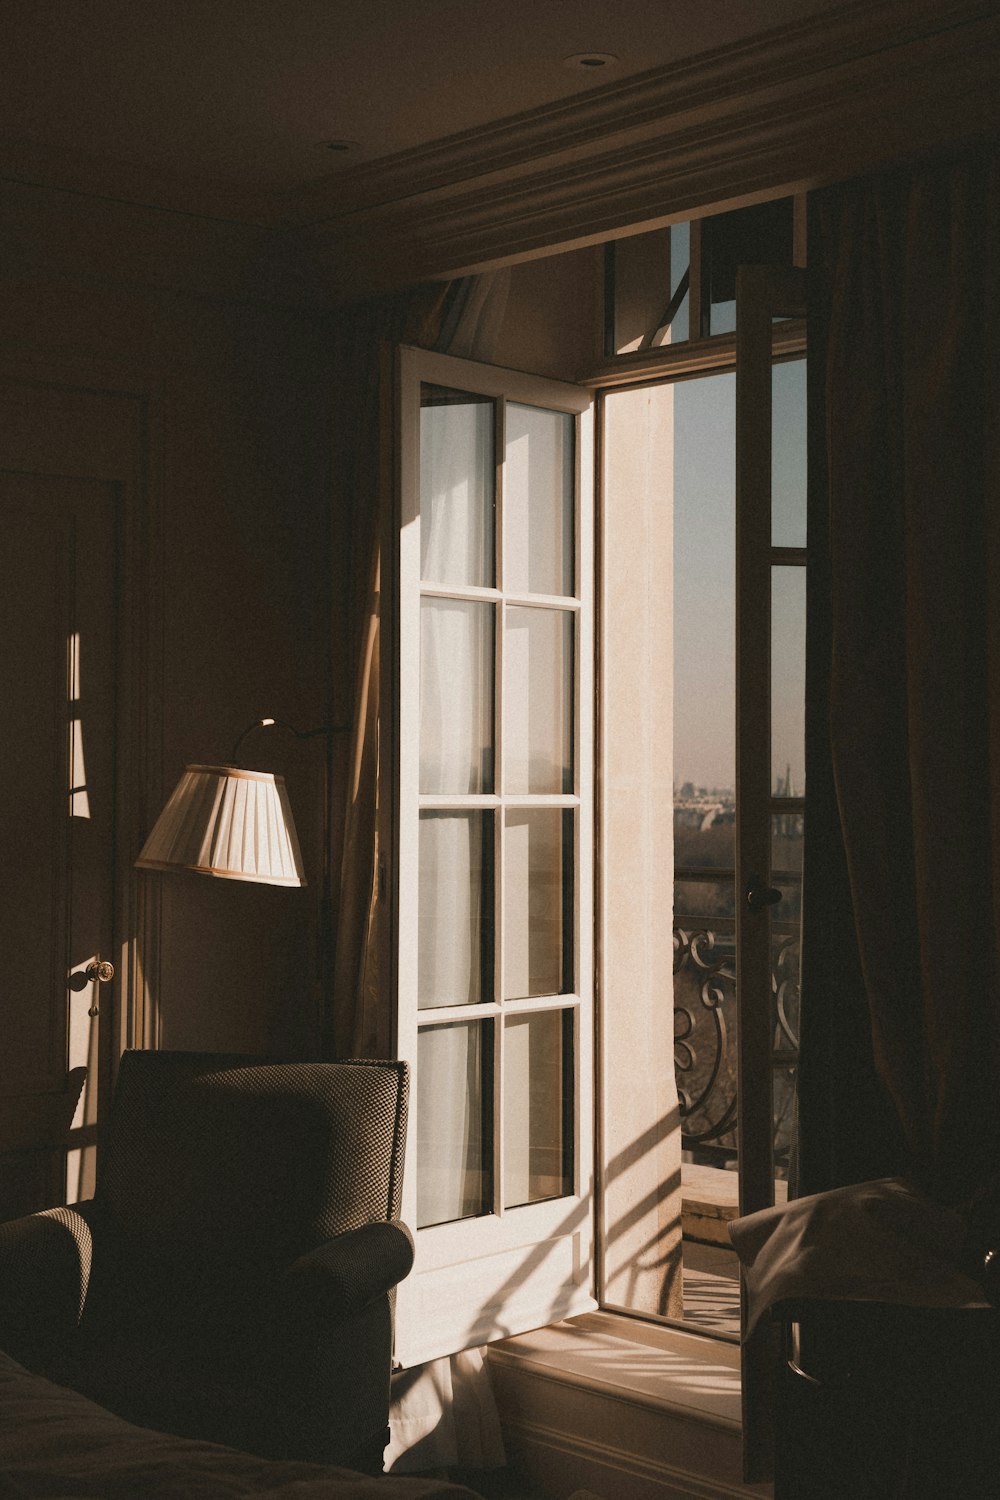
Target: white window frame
512, 1269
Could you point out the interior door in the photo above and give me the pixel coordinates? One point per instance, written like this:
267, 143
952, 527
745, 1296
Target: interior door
57, 804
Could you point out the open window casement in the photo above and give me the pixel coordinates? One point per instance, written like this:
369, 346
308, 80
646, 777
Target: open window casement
771, 562
490, 757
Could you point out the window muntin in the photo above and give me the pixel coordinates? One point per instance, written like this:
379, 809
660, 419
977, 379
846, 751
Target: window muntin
499, 795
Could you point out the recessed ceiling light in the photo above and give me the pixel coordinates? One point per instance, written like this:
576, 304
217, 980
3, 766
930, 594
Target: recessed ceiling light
590, 62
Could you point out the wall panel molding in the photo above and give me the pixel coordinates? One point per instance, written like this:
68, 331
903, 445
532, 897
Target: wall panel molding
110, 418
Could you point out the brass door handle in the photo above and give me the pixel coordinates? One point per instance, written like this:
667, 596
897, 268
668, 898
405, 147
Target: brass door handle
98, 968
98, 971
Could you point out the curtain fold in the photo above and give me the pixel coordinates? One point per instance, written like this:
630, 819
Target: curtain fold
363, 339
465, 318
901, 1020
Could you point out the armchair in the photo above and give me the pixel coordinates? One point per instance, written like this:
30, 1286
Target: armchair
232, 1277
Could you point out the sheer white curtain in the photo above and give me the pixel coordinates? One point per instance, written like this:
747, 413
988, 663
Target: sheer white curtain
456, 693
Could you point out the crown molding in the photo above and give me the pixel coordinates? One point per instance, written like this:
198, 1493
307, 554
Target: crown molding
821, 99
676, 95
813, 103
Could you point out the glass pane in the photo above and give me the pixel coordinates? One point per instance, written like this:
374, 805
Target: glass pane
701, 903
705, 1020
680, 261
538, 703
788, 454
454, 1115
538, 501
537, 1107
456, 696
704, 498
704, 829
787, 845
788, 681
786, 866
455, 909
760, 235
538, 903
645, 275
457, 487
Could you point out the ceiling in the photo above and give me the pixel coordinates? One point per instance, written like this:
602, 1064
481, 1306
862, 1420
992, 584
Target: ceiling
246, 94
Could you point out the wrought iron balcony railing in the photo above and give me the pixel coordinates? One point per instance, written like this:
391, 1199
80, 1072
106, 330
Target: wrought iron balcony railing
705, 1019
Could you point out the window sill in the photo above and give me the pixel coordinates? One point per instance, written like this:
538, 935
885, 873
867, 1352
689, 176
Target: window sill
629, 1410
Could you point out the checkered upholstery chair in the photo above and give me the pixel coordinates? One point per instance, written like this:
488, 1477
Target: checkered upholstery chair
232, 1277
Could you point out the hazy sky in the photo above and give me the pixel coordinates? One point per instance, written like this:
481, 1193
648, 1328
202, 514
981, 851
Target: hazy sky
704, 577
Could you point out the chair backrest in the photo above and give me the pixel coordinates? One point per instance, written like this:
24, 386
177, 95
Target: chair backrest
231, 1161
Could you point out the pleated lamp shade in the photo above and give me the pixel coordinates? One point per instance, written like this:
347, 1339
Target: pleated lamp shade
224, 821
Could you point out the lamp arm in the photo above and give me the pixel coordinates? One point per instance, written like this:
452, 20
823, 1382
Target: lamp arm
300, 734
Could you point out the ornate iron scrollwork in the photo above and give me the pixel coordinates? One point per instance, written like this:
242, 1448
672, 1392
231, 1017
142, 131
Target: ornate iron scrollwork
705, 1024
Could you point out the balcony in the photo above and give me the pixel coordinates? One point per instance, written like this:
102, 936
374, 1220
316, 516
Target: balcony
705, 1062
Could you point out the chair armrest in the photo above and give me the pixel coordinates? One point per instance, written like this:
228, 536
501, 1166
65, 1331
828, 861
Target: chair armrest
45, 1261
345, 1273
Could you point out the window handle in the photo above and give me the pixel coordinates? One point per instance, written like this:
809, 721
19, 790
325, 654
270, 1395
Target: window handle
759, 896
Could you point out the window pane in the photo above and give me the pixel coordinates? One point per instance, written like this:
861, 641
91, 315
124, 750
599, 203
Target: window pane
456, 696
538, 501
538, 705
704, 829
788, 454
680, 261
786, 865
760, 235
537, 1107
787, 846
457, 485
454, 1115
705, 1057
538, 903
455, 907
704, 496
788, 680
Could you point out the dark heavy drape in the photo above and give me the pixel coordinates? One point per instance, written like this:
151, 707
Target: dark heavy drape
901, 1013
363, 340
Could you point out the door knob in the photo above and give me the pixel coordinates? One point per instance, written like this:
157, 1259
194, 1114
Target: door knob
98, 968
759, 896
98, 971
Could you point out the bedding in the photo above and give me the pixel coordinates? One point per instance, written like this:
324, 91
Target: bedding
57, 1445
